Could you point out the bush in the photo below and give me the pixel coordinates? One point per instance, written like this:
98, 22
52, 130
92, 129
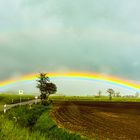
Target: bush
26, 116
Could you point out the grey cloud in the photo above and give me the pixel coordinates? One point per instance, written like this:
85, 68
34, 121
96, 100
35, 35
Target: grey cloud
101, 36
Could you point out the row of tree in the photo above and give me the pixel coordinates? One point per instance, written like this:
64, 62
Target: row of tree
112, 93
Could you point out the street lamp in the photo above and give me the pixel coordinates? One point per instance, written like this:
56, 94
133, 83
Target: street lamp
20, 93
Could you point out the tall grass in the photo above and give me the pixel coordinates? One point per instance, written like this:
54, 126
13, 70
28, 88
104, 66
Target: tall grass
11, 131
32, 123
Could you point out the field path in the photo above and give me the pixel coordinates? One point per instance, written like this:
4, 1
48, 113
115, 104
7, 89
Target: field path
115, 121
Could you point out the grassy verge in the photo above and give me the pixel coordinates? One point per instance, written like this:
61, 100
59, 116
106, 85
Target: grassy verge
1, 107
10, 131
49, 128
32, 123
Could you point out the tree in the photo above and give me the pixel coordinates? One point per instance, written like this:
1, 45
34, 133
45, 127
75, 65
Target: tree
117, 94
111, 92
137, 94
99, 93
45, 86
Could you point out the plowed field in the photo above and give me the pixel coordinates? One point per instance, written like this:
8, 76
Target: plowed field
100, 120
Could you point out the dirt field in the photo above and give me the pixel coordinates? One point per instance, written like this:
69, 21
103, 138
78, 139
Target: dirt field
100, 120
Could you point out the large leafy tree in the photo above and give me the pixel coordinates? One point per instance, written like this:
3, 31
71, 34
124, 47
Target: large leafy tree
45, 86
111, 92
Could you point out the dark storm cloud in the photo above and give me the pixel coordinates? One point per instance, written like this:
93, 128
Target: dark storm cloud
101, 36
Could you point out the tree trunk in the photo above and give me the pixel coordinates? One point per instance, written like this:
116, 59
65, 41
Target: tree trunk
110, 97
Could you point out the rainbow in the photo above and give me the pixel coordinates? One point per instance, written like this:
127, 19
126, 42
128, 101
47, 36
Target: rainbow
78, 75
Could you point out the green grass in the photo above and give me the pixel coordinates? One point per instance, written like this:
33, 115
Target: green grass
1, 107
14, 98
94, 98
49, 128
11, 131
32, 123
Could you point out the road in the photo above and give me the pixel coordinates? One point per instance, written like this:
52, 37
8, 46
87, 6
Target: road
22, 103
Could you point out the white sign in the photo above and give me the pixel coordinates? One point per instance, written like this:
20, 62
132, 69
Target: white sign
20, 92
36, 97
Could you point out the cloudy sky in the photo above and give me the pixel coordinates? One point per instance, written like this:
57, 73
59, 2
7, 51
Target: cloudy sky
84, 35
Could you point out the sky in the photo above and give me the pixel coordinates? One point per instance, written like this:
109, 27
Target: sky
100, 36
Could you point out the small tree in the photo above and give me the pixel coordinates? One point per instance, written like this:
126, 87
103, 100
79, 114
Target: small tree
99, 93
45, 86
111, 92
137, 94
118, 94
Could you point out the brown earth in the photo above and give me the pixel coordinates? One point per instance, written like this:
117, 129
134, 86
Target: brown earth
100, 120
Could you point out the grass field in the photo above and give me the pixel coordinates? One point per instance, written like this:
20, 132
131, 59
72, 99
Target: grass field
14, 98
94, 98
